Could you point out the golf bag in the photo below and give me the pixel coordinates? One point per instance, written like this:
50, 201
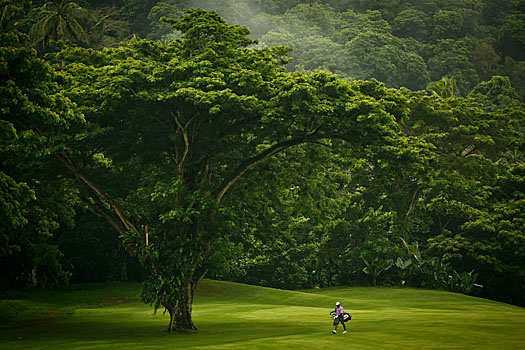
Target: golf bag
346, 316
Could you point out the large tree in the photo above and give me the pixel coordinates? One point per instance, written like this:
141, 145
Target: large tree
172, 128
474, 185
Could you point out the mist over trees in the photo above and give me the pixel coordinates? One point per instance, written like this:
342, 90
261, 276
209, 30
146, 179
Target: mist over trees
291, 144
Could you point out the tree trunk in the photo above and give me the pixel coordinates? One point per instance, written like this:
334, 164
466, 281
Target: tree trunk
32, 277
180, 314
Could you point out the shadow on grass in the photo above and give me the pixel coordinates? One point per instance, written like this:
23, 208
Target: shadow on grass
73, 334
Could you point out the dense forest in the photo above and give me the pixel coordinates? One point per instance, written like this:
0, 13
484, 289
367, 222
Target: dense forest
293, 144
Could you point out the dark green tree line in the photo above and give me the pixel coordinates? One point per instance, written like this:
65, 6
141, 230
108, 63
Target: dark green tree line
36, 200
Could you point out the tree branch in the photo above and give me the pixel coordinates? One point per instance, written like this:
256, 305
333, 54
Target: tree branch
251, 162
323, 144
183, 129
415, 197
81, 177
100, 211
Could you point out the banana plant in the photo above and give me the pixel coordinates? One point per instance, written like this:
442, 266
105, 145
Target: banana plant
463, 282
405, 270
376, 267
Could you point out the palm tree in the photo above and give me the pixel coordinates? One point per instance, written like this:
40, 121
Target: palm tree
446, 87
376, 267
60, 22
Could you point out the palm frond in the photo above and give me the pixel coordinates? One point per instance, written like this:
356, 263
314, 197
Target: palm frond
62, 20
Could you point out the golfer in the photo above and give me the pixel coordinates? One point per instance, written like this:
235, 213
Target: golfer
339, 317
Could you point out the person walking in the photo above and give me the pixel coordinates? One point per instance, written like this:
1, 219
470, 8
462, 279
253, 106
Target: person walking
339, 317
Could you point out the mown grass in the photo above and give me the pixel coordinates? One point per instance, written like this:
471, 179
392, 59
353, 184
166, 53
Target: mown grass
234, 316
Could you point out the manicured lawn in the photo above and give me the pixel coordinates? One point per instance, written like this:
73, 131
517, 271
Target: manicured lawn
234, 316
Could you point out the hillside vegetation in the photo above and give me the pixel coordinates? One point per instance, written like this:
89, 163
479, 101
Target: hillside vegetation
236, 316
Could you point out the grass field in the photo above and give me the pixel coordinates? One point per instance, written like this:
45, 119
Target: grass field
234, 316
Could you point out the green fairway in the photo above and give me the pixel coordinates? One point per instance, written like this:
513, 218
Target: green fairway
234, 316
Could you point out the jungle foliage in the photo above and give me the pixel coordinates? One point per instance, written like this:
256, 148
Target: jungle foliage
294, 147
